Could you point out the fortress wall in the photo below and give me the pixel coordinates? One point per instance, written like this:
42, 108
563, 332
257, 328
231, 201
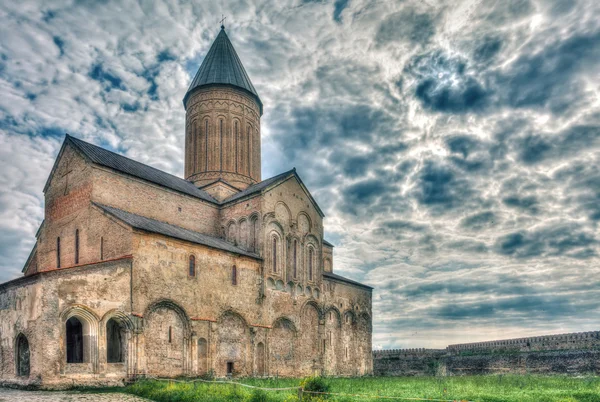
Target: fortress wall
578, 340
574, 354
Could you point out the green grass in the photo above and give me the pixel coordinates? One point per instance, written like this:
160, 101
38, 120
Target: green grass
473, 388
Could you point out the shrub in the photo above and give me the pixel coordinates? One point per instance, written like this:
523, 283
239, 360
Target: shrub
315, 384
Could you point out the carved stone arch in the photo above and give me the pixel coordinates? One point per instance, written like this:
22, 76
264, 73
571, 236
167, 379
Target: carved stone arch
312, 239
352, 319
79, 329
244, 233
233, 312
286, 321
116, 330
166, 339
274, 249
119, 316
312, 266
254, 232
268, 217
231, 232
283, 214
170, 304
310, 304
304, 223
337, 316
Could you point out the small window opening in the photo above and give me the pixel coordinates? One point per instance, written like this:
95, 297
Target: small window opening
76, 246
310, 264
295, 258
324, 345
170, 334
192, 266
58, 252
101, 248
234, 275
274, 254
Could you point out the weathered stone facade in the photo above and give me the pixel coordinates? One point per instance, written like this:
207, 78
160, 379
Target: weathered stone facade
574, 354
137, 272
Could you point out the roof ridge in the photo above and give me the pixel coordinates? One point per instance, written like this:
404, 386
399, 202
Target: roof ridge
167, 230
138, 169
122, 156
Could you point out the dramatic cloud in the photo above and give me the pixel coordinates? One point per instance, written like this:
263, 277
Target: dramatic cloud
453, 145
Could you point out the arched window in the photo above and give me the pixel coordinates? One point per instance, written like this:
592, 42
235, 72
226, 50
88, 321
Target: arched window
192, 266
236, 140
76, 246
221, 144
310, 263
22, 356
74, 341
248, 147
114, 342
295, 262
260, 359
58, 252
234, 275
205, 142
274, 254
254, 234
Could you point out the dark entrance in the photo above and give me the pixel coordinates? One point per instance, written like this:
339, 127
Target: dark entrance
74, 341
22, 356
114, 342
229, 368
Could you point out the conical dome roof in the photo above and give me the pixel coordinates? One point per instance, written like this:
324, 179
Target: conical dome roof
222, 66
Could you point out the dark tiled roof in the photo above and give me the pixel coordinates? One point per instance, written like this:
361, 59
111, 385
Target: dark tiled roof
166, 229
327, 243
255, 188
222, 66
331, 275
118, 162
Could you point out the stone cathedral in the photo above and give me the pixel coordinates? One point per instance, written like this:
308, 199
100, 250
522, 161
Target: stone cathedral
138, 272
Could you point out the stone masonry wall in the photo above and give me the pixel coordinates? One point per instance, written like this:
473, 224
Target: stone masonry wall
575, 353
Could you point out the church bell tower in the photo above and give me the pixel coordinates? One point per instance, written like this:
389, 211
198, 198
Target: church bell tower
222, 121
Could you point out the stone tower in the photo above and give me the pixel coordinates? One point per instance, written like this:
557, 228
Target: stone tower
222, 123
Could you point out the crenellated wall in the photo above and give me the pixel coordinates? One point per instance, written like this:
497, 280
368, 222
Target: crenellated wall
574, 354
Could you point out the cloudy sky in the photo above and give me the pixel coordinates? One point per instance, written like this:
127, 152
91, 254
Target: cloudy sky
454, 146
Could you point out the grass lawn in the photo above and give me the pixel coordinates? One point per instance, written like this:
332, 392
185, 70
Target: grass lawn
473, 388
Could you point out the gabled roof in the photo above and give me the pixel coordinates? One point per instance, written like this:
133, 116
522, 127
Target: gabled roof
331, 275
166, 229
222, 66
268, 183
128, 166
325, 242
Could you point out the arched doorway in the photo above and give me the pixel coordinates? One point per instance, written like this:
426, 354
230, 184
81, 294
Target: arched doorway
260, 359
74, 341
22, 356
115, 342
